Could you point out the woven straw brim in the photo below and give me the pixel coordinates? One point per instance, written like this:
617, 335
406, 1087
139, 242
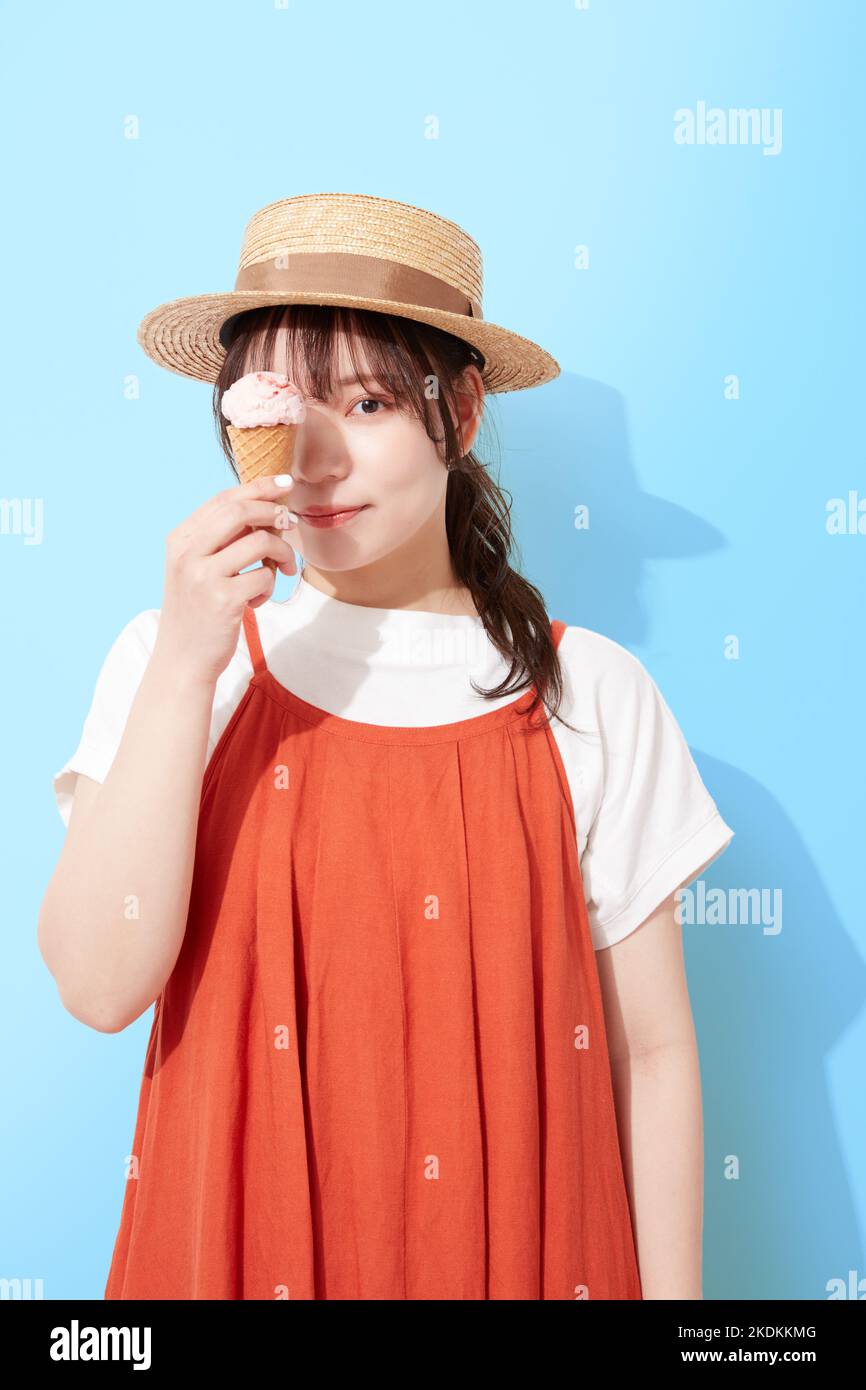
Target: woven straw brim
183, 335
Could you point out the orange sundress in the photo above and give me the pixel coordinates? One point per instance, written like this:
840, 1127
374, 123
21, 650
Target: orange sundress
379, 1068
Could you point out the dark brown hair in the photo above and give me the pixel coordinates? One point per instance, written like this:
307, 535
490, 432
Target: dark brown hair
402, 356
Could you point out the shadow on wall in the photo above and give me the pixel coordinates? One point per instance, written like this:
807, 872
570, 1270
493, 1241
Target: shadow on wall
770, 1005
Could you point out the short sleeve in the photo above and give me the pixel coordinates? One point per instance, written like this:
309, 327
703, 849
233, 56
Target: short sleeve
656, 825
116, 686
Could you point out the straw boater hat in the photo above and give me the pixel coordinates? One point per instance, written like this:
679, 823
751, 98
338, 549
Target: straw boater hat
356, 250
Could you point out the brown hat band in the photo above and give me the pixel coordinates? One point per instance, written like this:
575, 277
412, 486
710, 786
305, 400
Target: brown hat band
368, 277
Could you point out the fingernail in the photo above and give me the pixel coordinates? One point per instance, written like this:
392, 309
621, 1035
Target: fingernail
283, 479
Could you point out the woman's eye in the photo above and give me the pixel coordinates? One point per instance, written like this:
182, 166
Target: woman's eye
369, 400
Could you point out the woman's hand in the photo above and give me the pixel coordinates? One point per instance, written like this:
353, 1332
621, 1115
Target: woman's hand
204, 592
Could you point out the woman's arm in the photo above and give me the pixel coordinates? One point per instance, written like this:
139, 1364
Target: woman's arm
657, 1090
113, 916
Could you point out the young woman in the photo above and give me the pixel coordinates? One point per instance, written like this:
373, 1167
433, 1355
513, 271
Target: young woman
395, 858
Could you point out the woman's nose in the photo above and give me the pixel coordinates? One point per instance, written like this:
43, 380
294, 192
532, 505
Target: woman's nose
319, 450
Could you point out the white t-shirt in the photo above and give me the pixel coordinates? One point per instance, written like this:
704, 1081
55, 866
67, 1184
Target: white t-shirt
646, 823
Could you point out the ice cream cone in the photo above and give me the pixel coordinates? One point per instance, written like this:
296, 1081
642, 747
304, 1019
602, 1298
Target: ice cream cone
262, 450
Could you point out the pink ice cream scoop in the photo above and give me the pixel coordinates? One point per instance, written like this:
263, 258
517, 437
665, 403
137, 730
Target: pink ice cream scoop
263, 398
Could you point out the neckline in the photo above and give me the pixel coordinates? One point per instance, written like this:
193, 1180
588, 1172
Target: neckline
349, 622
360, 732
352, 623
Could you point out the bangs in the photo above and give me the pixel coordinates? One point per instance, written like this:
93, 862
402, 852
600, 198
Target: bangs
304, 341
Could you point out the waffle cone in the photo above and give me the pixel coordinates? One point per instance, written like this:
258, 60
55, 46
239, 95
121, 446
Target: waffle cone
262, 450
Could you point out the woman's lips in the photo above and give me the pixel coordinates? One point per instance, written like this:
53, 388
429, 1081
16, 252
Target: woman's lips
325, 521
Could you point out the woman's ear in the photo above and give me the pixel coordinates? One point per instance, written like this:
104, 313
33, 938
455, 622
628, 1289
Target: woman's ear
470, 401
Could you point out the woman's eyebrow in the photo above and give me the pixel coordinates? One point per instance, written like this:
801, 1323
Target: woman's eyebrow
349, 381
352, 380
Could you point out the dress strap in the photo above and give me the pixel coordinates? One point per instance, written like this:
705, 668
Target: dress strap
254, 641
557, 628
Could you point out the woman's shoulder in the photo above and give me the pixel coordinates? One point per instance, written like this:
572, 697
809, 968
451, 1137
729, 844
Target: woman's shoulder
111, 697
129, 650
610, 693
140, 630
647, 824
603, 651
601, 675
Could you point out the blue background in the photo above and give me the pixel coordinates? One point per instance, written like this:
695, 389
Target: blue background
708, 515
